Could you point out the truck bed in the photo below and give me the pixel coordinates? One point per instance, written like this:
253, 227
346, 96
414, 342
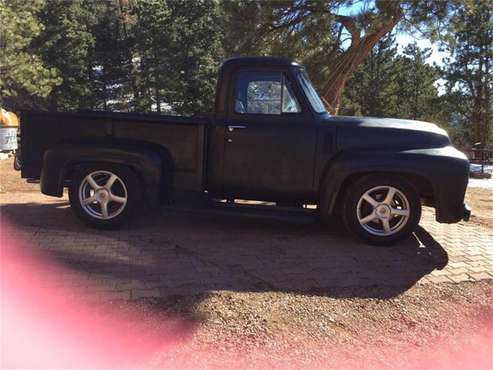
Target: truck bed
183, 137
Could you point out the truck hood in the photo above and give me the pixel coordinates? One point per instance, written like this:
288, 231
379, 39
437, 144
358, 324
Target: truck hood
387, 133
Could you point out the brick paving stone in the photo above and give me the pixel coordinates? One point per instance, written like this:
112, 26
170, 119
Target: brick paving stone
440, 273
145, 293
112, 295
480, 276
460, 278
455, 270
439, 279
477, 269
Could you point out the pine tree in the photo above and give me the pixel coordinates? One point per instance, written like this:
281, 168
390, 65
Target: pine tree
468, 71
178, 51
111, 59
67, 44
23, 75
389, 84
416, 81
373, 89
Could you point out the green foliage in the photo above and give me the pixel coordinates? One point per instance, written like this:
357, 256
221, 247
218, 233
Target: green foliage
416, 81
67, 44
389, 84
373, 89
112, 68
24, 76
112, 55
178, 51
469, 70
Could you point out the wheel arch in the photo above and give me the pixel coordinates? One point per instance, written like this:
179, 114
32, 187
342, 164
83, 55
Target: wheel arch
419, 181
344, 170
153, 166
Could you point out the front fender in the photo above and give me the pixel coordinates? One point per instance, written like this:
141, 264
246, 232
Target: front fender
146, 163
446, 169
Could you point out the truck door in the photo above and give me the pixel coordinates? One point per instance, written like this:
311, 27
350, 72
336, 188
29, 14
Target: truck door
270, 140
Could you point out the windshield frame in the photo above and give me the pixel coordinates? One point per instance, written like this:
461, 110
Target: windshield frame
310, 92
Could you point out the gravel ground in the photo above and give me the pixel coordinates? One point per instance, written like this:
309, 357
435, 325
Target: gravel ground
431, 326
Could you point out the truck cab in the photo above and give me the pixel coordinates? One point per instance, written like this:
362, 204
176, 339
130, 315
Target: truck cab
267, 119
269, 138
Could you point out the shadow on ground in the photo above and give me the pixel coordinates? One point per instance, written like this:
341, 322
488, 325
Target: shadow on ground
183, 253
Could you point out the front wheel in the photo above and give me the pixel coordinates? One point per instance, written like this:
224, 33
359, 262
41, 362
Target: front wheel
381, 209
104, 196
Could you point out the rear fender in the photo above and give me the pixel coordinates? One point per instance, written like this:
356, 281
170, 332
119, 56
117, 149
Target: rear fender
153, 167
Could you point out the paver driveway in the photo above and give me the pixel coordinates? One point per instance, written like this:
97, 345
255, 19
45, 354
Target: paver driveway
183, 252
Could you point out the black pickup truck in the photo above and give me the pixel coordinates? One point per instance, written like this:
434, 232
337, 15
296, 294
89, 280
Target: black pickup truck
270, 138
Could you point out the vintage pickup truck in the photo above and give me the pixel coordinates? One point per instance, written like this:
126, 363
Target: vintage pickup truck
270, 138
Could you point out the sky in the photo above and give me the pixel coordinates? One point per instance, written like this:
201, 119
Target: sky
402, 38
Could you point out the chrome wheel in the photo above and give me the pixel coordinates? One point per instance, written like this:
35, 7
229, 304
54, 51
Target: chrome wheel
103, 195
383, 210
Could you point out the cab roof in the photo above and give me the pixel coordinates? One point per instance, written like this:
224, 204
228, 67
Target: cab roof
258, 61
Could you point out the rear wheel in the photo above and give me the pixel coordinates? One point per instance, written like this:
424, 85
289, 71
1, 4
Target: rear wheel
17, 162
104, 196
381, 209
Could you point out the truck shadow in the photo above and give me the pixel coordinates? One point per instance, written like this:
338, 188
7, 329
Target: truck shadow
178, 253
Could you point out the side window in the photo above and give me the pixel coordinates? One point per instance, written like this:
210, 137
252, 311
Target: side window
264, 93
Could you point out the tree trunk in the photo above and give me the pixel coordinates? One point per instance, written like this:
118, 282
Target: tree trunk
158, 99
350, 59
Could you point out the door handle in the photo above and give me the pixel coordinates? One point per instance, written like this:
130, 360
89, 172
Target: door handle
231, 128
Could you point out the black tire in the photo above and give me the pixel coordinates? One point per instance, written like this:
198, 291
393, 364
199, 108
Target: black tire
17, 162
400, 226
130, 190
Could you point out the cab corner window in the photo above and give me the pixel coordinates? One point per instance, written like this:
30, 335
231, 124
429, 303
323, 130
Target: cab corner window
264, 93
289, 102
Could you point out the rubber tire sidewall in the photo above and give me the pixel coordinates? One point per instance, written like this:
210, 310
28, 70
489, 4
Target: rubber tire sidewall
366, 183
133, 195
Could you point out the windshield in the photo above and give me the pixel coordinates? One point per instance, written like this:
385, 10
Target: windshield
310, 92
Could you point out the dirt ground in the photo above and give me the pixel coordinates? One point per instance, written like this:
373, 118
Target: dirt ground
10, 180
481, 202
428, 326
